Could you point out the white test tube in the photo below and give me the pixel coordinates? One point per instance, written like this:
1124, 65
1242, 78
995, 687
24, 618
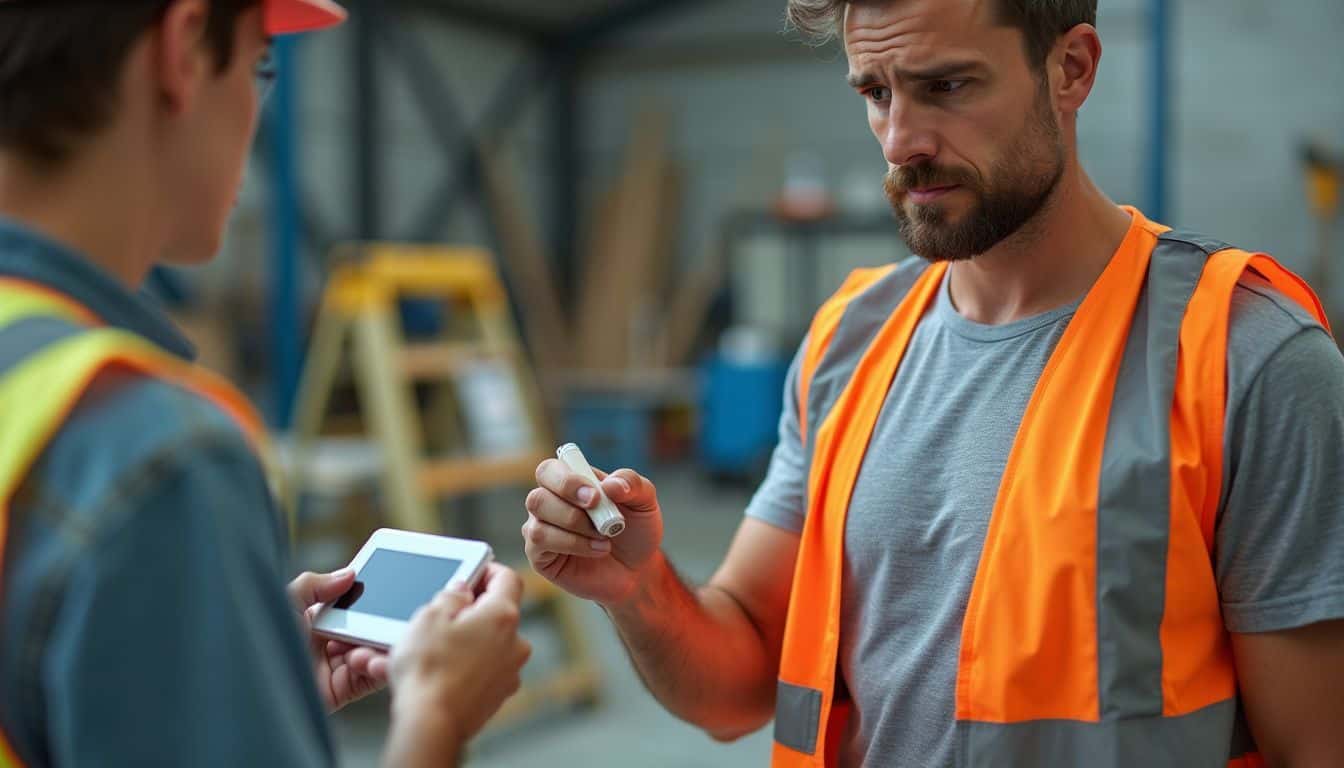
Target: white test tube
607, 519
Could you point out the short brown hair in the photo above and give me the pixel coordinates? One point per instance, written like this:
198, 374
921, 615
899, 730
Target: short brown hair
1041, 21
60, 61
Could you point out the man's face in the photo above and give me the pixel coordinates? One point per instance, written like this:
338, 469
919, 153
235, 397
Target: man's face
211, 145
969, 131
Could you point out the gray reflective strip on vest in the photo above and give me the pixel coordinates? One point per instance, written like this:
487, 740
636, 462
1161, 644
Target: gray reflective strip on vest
1243, 743
1134, 492
24, 338
797, 716
858, 326
798, 709
1196, 740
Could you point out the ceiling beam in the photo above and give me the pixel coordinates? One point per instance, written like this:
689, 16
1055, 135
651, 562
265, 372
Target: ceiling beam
598, 27
504, 23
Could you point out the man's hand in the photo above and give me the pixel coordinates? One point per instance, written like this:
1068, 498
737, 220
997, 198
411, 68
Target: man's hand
461, 658
564, 547
344, 673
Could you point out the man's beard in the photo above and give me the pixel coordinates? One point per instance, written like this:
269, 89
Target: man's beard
1019, 186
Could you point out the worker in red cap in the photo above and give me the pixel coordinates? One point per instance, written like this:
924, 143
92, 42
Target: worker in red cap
146, 620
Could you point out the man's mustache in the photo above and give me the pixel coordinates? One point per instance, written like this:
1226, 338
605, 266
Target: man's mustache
904, 178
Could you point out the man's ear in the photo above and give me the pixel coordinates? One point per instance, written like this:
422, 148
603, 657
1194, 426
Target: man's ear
182, 59
1074, 62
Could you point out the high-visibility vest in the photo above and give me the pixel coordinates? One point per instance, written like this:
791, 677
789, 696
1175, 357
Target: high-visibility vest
39, 390
1093, 635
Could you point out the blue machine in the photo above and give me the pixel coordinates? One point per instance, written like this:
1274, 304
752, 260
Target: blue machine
740, 418
614, 430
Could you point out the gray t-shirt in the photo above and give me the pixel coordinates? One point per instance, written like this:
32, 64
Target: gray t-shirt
921, 506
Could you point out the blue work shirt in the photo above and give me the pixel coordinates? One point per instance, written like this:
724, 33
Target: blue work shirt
145, 617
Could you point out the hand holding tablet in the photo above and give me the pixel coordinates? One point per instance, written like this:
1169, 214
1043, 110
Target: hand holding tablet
396, 573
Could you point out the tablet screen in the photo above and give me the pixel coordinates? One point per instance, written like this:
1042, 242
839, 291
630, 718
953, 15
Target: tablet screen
394, 584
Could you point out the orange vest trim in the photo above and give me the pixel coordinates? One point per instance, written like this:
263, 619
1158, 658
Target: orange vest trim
1093, 625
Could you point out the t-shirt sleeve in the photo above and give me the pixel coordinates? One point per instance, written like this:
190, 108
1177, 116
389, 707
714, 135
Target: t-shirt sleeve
175, 643
782, 498
1279, 550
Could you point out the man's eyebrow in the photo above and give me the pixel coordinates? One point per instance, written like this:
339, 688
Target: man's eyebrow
942, 71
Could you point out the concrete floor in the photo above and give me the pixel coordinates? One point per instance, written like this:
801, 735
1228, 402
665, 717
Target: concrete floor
628, 728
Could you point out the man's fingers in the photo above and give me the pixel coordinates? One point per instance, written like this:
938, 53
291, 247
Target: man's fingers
631, 490
310, 588
452, 599
550, 508
361, 661
557, 478
337, 648
501, 584
541, 537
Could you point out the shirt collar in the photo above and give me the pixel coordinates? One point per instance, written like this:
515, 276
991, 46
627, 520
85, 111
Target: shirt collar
27, 255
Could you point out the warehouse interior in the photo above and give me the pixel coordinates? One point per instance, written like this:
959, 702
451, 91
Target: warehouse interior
639, 205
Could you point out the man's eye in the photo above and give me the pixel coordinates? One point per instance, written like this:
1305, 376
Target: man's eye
946, 86
877, 94
266, 65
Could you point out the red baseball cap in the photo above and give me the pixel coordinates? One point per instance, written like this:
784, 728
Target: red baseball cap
286, 17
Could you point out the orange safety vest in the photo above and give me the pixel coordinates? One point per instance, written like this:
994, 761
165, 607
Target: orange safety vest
49, 383
1093, 635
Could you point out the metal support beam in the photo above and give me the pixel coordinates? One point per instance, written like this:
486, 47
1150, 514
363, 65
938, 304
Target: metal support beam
484, 18
600, 26
565, 170
316, 231
365, 17
463, 179
285, 294
436, 101
1160, 128
443, 113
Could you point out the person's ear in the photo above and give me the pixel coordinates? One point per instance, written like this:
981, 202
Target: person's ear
1073, 64
182, 57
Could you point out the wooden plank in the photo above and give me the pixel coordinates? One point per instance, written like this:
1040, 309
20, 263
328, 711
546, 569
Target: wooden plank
648, 345
689, 310
593, 330
525, 260
452, 476
527, 266
620, 265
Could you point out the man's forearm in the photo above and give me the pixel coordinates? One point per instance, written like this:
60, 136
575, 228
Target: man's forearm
420, 741
698, 652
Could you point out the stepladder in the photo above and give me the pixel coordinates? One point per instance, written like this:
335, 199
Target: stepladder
454, 412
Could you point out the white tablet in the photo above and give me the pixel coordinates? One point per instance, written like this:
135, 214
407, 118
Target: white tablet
396, 572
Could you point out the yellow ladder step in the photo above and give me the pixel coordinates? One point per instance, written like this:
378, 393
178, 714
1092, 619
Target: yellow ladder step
438, 360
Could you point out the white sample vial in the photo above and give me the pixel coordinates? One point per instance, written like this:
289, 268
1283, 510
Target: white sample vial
607, 519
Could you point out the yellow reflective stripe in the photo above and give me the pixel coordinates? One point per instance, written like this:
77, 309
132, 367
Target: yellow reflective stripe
44, 388
50, 382
9, 758
19, 299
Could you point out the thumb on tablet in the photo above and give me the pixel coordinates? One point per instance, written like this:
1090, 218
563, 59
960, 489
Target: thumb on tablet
501, 584
309, 589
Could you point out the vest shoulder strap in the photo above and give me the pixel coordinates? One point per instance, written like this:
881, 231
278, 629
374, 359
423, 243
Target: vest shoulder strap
44, 381
49, 382
1201, 382
823, 328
